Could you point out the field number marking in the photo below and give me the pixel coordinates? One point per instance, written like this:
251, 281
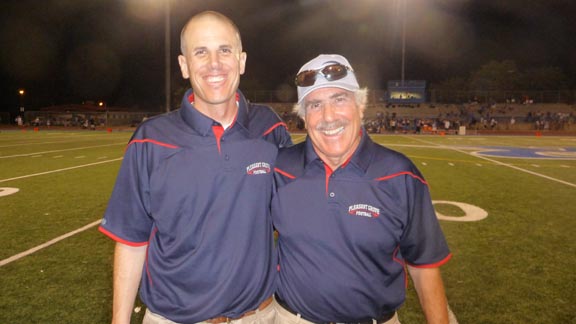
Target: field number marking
6, 191
499, 163
471, 213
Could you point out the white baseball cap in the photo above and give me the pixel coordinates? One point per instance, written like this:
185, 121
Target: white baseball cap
345, 78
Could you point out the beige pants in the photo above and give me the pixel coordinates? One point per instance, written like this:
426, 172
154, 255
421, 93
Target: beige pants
265, 316
285, 317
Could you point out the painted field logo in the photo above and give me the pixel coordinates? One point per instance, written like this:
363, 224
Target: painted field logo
258, 168
364, 210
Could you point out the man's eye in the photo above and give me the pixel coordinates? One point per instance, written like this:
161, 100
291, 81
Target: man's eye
314, 106
199, 52
340, 99
226, 50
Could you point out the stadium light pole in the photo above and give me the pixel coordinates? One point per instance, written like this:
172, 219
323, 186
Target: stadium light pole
21, 93
403, 42
103, 104
167, 51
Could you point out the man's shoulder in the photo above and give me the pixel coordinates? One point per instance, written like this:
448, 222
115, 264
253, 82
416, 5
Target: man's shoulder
262, 113
160, 127
292, 152
392, 161
384, 152
265, 122
291, 160
160, 120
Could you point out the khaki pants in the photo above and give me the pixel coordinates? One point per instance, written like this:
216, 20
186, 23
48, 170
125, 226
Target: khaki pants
285, 317
264, 316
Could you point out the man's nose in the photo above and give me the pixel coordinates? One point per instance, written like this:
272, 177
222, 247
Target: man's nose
214, 59
328, 112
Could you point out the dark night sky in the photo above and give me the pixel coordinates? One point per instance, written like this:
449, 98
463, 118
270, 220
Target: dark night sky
68, 51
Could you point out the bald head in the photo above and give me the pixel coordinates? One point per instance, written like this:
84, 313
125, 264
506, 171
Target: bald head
207, 16
213, 61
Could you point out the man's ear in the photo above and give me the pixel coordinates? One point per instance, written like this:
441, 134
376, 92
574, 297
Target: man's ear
183, 66
243, 57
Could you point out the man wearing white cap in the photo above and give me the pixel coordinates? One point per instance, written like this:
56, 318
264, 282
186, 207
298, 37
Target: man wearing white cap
352, 215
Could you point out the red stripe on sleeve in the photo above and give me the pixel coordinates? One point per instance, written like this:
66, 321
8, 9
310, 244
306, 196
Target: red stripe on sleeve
120, 240
284, 173
146, 262
274, 127
147, 140
400, 174
433, 265
402, 263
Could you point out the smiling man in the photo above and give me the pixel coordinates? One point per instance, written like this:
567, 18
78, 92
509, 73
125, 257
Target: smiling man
213, 60
190, 207
351, 215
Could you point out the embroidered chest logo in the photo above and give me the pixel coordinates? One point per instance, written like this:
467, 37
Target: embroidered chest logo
258, 168
364, 210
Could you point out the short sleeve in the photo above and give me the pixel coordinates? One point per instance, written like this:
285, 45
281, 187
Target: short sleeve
127, 218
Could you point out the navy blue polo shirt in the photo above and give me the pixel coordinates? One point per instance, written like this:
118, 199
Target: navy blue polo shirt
199, 198
346, 235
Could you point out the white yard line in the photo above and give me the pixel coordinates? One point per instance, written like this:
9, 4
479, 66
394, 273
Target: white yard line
77, 139
64, 150
59, 170
60, 238
44, 245
498, 162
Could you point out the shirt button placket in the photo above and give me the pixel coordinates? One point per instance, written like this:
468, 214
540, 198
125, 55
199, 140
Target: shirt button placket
227, 163
332, 194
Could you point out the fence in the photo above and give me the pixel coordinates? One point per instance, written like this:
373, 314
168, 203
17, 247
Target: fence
81, 119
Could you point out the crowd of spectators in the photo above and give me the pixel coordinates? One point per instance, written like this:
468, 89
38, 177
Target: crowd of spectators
449, 118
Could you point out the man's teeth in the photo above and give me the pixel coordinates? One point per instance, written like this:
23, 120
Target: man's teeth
215, 78
333, 131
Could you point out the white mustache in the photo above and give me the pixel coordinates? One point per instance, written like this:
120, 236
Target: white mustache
324, 126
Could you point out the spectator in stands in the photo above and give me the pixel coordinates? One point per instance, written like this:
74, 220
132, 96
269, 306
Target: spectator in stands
512, 122
493, 123
351, 214
190, 208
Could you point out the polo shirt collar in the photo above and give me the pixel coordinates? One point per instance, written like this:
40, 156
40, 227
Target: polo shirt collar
202, 123
360, 159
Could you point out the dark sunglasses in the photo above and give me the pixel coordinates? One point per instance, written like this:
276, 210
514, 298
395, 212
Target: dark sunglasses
331, 72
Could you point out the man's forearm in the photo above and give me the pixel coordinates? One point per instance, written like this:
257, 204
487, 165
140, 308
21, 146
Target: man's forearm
128, 264
430, 289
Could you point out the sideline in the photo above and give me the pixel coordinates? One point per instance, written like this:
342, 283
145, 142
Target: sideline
51, 242
60, 170
499, 163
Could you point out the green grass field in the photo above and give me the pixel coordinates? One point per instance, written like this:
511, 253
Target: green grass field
517, 265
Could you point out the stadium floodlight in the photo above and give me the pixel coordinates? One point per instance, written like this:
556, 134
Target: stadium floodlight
167, 51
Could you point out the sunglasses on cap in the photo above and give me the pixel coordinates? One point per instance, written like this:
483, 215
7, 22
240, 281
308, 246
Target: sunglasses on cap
331, 72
